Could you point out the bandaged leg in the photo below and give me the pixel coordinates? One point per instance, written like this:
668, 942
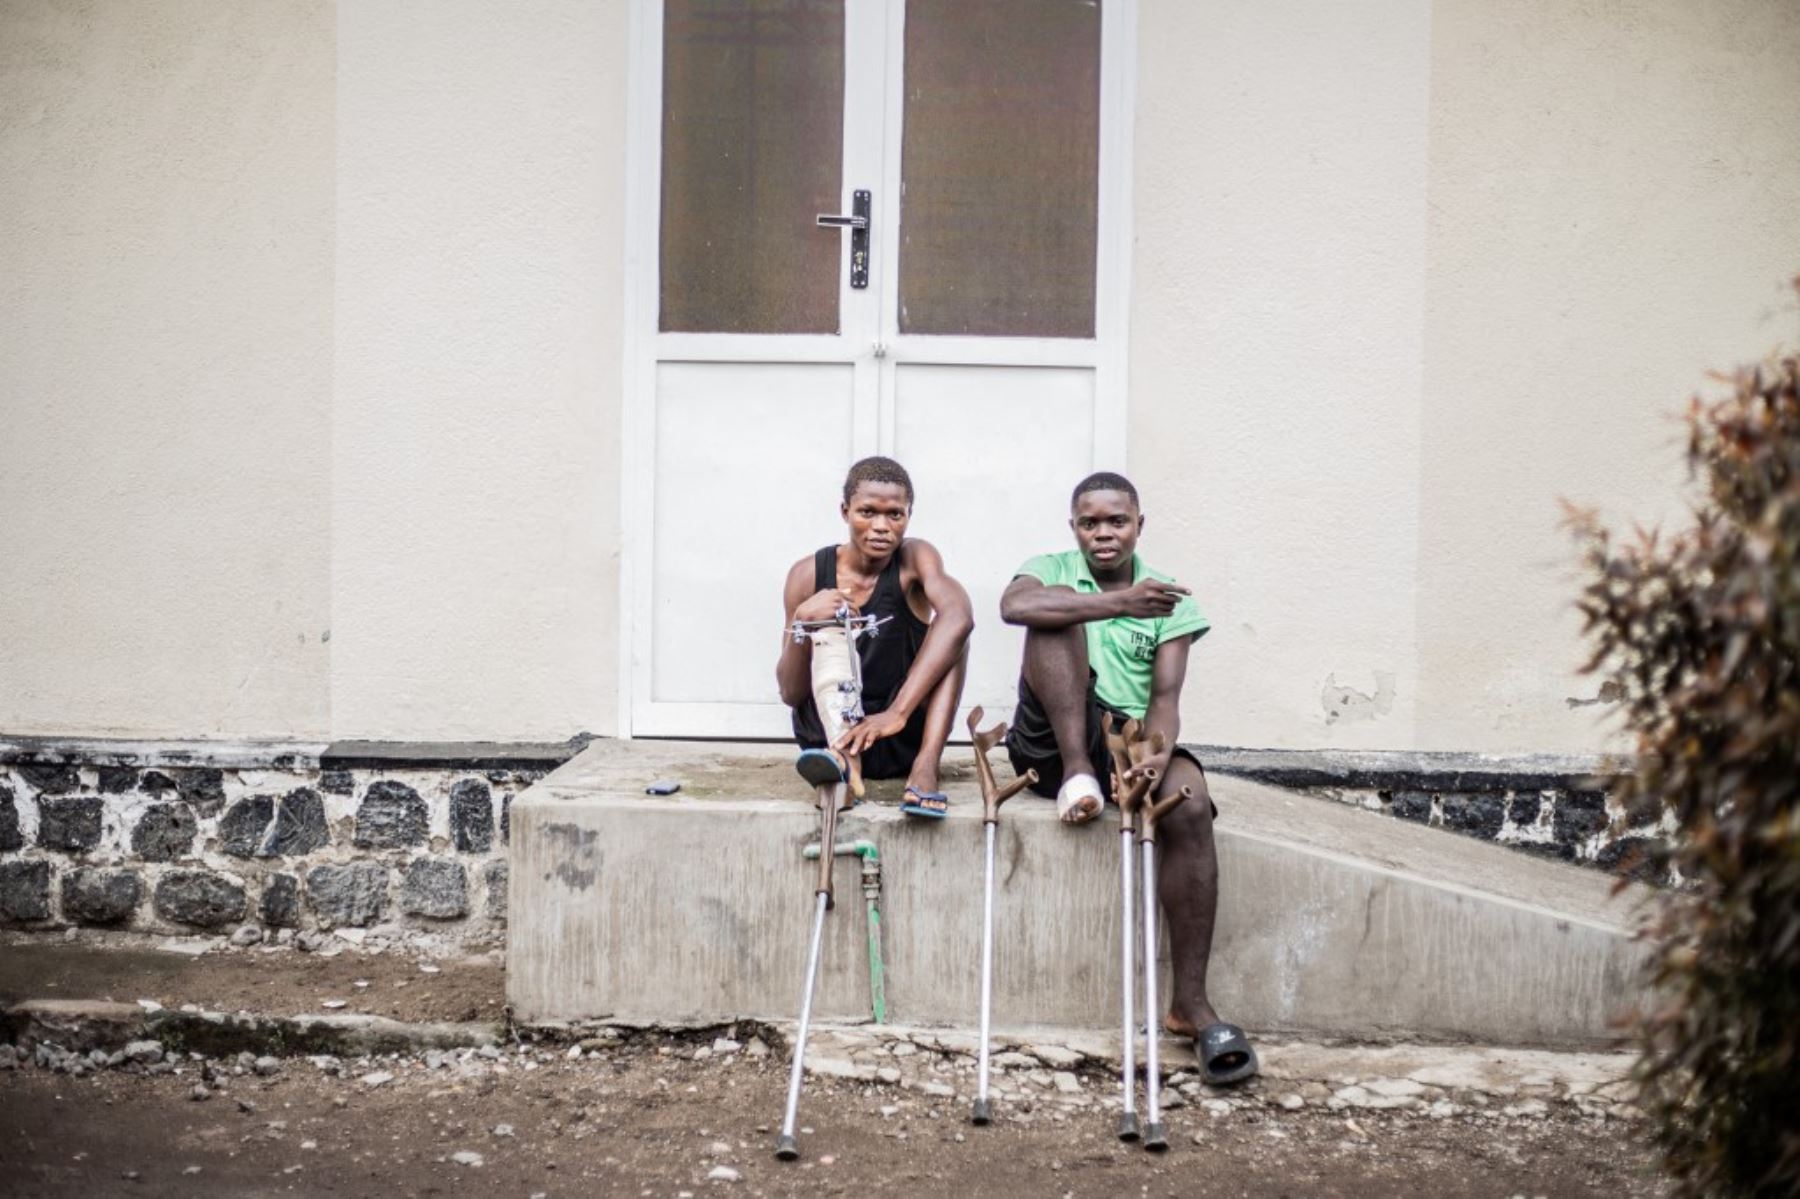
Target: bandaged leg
836, 701
830, 682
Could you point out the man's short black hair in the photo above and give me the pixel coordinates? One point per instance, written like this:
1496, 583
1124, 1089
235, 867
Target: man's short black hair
1103, 480
877, 470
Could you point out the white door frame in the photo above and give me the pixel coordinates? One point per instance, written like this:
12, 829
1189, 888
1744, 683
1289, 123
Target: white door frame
867, 318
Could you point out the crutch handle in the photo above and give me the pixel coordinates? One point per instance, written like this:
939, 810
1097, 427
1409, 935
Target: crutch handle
992, 794
1156, 811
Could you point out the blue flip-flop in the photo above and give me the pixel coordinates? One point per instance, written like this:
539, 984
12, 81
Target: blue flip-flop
929, 805
820, 767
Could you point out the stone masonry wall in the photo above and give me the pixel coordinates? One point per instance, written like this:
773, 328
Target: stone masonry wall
1555, 806
1571, 825
256, 853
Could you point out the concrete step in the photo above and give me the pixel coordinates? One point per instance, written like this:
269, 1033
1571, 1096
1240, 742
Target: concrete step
1332, 921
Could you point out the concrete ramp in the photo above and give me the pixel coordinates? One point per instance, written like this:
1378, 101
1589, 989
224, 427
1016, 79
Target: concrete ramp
1332, 921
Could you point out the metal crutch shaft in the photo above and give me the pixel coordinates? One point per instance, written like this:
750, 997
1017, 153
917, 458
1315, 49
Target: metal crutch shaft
1155, 1136
1128, 1120
984, 1109
786, 1147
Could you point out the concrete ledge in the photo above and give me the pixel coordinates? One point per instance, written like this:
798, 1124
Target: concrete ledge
1333, 921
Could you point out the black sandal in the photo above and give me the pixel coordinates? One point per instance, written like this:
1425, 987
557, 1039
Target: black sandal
1225, 1054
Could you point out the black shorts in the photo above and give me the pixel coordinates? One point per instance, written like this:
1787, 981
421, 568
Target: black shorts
889, 758
1031, 742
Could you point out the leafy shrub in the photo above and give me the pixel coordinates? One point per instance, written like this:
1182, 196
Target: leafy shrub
1700, 634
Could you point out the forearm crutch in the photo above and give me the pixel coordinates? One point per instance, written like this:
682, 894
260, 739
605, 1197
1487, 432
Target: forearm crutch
787, 1148
853, 626
1129, 797
1149, 813
992, 796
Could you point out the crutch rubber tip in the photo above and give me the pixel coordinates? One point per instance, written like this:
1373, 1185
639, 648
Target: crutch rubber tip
983, 1113
787, 1149
1128, 1126
1156, 1138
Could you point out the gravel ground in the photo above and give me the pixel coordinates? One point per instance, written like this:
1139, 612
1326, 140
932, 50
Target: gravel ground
671, 1116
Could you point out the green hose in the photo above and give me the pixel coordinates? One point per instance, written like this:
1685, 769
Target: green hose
871, 885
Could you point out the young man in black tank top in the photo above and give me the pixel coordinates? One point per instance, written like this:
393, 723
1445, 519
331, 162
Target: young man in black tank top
913, 669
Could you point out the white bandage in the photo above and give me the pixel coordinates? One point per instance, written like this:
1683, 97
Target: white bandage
830, 671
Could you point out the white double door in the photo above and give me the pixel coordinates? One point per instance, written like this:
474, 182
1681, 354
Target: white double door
973, 331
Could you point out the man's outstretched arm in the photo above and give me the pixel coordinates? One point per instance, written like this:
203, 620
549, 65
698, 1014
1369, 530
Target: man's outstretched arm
1027, 601
952, 620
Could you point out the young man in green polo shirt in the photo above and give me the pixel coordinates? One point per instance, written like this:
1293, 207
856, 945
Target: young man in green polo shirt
1106, 634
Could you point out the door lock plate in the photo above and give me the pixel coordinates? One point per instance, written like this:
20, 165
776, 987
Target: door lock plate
858, 224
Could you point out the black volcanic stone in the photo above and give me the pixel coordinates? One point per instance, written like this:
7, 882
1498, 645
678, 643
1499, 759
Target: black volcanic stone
94, 896
200, 898
1527, 806
496, 890
165, 832
116, 780
506, 819
392, 816
24, 891
472, 816
1480, 815
10, 836
155, 782
1412, 805
352, 894
1579, 815
70, 823
203, 787
50, 780
280, 906
244, 824
299, 825
337, 782
435, 887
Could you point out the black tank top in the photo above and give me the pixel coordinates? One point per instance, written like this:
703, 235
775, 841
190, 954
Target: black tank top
889, 654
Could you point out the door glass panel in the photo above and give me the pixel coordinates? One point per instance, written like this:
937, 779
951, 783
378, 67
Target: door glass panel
1000, 167
752, 145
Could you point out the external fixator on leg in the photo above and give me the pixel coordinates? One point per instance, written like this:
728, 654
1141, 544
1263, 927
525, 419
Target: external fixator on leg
837, 694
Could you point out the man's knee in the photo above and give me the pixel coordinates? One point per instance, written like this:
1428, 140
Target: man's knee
1192, 818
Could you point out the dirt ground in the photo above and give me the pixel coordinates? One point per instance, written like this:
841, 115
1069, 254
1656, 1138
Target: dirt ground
284, 982
647, 1119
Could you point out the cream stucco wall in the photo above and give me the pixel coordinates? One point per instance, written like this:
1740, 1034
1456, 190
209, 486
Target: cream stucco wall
311, 333
474, 449
1405, 275
165, 367
1615, 209
309, 388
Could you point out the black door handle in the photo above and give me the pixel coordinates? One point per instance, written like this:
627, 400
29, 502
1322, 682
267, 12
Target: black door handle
858, 224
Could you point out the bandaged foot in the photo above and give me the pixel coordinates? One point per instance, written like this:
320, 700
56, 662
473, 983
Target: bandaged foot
1079, 799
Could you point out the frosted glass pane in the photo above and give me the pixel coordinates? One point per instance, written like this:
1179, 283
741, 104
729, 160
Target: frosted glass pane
1000, 167
752, 148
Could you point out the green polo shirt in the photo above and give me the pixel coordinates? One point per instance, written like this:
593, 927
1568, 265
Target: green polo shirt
1122, 650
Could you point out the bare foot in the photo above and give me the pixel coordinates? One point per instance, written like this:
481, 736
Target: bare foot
1182, 1026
